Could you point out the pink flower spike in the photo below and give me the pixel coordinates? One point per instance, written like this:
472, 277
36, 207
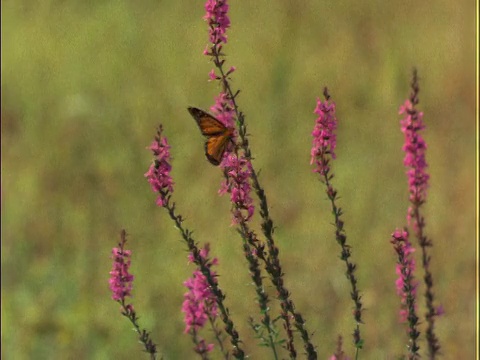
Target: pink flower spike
414, 160
199, 302
212, 75
324, 136
238, 171
218, 21
121, 281
158, 175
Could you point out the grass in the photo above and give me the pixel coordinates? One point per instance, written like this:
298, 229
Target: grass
84, 85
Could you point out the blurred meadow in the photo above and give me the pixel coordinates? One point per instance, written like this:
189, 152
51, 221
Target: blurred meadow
84, 85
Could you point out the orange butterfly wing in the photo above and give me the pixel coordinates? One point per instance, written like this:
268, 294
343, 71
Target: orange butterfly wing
215, 147
218, 134
209, 126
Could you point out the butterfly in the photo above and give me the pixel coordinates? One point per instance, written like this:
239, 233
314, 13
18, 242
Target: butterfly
218, 135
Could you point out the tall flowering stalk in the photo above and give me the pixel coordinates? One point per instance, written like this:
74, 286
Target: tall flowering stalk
414, 160
121, 283
237, 170
323, 151
407, 288
200, 305
218, 22
161, 182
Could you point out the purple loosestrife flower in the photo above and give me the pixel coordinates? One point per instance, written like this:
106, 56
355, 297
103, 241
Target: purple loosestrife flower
218, 23
224, 111
158, 174
414, 160
121, 281
324, 138
405, 269
218, 20
238, 171
414, 148
199, 302
121, 285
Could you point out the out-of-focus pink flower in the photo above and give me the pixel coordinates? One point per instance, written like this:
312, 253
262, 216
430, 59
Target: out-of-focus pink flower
212, 75
324, 137
121, 281
158, 175
440, 310
203, 348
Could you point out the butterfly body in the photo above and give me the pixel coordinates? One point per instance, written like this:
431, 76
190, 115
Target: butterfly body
218, 135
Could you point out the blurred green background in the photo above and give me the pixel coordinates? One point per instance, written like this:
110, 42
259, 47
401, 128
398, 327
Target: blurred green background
84, 85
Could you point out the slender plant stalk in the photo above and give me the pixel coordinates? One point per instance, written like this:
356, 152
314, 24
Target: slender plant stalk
351, 267
200, 262
237, 173
273, 267
407, 288
418, 186
217, 333
123, 280
262, 296
143, 335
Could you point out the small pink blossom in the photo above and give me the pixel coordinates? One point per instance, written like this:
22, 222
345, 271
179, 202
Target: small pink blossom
324, 137
158, 175
212, 75
203, 348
